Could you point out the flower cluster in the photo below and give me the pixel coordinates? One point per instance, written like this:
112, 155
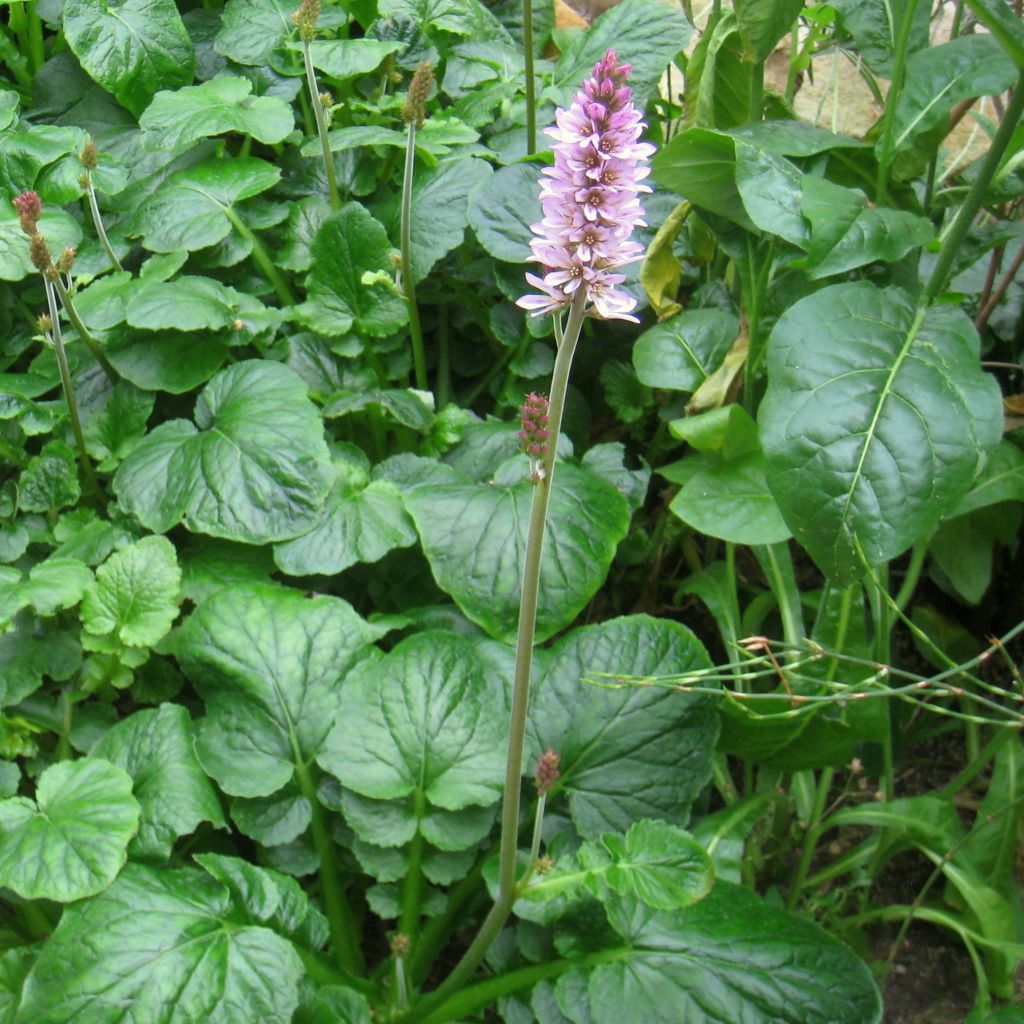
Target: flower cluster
534, 433
590, 199
547, 772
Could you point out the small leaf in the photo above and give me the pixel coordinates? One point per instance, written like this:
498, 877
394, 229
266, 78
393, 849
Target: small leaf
50, 480
71, 841
681, 353
136, 593
114, 428
155, 747
224, 104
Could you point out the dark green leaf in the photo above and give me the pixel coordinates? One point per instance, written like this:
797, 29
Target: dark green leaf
871, 24
762, 23
173, 361
681, 353
502, 209
252, 29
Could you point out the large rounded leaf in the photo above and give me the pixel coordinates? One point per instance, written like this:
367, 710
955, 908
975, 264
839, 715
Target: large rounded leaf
876, 419
71, 841
727, 959
256, 470
474, 536
628, 752
269, 663
164, 947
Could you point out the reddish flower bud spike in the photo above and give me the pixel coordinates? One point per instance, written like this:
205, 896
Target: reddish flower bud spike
30, 209
547, 772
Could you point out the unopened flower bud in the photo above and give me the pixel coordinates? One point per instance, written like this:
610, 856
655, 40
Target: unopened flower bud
543, 865
327, 98
30, 208
88, 158
43, 323
305, 19
547, 772
533, 431
67, 259
414, 110
401, 944
39, 254
237, 325
83, 180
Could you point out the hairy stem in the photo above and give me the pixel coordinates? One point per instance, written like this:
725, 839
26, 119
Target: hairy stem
419, 358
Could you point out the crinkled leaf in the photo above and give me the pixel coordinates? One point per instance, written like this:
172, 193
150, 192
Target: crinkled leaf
224, 104
50, 586
50, 480
256, 470
155, 747
343, 59
874, 423
252, 29
131, 49
71, 841
333, 1004
349, 245
31, 653
273, 820
627, 752
270, 665
429, 716
135, 596
113, 428
189, 210
474, 536
167, 944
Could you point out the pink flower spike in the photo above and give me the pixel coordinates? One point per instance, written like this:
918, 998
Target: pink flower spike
590, 199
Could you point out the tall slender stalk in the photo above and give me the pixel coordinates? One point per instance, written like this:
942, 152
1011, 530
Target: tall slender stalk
321, 126
885, 155
263, 260
419, 358
531, 85
83, 332
69, 391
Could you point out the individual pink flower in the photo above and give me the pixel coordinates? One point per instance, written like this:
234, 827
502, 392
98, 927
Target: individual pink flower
590, 199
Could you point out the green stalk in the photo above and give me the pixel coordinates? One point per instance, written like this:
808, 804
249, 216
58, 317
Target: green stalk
975, 197
14, 59
418, 356
324, 973
36, 52
412, 887
36, 920
64, 740
531, 86
913, 574
794, 57
444, 365
69, 392
259, 254
321, 126
344, 936
757, 92
524, 661
879, 599
83, 332
538, 828
97, 222
885, 154
811, 836
777, 563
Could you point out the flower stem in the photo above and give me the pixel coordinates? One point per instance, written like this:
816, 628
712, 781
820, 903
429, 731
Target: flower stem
531, 85
97, 221
418, 356
321, 126
885, 153
69, 391
412, 888
524, 662
259, 254
83, 332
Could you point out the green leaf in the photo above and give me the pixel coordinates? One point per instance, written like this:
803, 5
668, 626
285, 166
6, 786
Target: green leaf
57, 227
474, 537
265, 438
252, 29
186, 304
963, 547
349, 245
1002, 479
50, 480
362, 521
730, 499
209, 565
344, 59
867, 454
114, 428
762, 23
458, 17
719, 79
627, 752
333, 1004
847, 233
132, 49
871, 24
172, 361
190, 209
135, 596
166, 943
71, 841
938, 77
155, 747
502, 209
273, 820
681, 353
1002, 23
730, 957
269, 663
51, 586
32, 652
430, 716
659, 864
647, 33
223, 104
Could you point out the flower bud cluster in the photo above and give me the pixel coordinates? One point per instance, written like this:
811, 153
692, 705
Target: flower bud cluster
533, 432
305, 18
414, 110
30, 209
547, 772
590, 199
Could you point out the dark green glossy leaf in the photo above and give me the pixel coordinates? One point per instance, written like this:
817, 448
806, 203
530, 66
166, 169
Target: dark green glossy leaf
270, 665
49, 587
71, 841
627, 752
172, 361
155, 747
252, 29
866, 452
870, 22
131, 49
762, 23
114, 428
502, 209
32, 652
166, 943
265, 438
682, 352
50, 480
